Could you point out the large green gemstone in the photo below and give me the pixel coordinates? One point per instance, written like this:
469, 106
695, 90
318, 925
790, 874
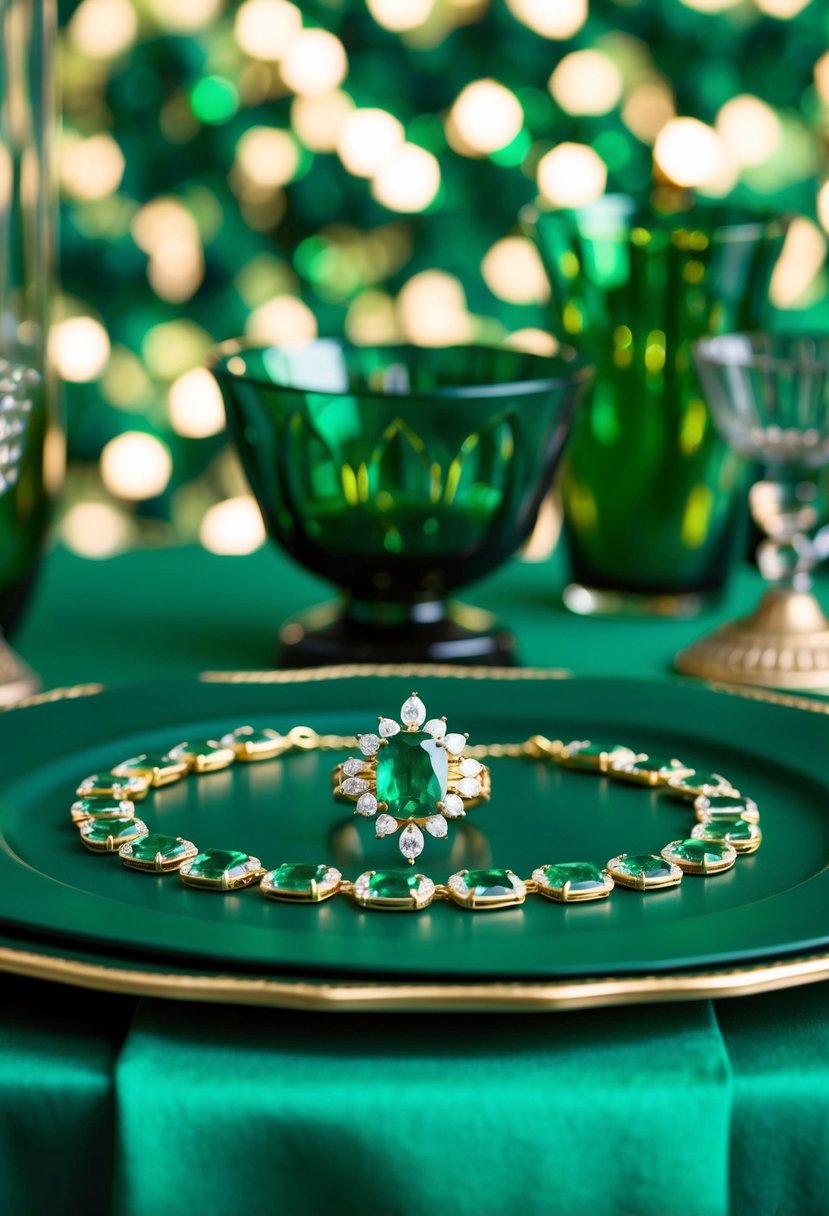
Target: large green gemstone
411, 774
148, 847
650, 866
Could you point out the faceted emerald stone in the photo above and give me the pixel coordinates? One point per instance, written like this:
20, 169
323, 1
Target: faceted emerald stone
729, 829
298, 877
489, 883
212, 864
103, 808
411, 774
148, 847
635, 864
393, 884
728, 807
699, 852
581, 875
99, 831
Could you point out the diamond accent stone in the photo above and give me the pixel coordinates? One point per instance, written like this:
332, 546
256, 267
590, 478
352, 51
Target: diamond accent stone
366, 805
354, 785
436, 727
413, 711
386, 825
469, 787
453, 807
470, 768
411, 841
454, 744
437, 826
388, 727
369, 745
353, 766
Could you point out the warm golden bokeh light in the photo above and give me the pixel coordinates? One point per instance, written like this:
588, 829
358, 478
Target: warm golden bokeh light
175, 269
749, 129
431, 308
185, 16
367, 140
318, 120
135, 466
711, 6
268, 156
551, 18
95, 529
571, 175
78, 349
586, 82
647, 109
823, 206
821, 71
159, 219
233, 527
284, 319
400, 15
264, 29
409, 179
195, 405
314, 63
371, 319
90, 168
533, 341
689, 152
513, 271
784, 10
487, 116
799, 264
103, 29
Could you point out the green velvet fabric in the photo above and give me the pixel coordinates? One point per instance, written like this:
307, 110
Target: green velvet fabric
150, 1108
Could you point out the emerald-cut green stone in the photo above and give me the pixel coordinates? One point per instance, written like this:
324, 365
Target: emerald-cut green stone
298, 877
744, 836
634, 864
582, 876
486, 888
489, 882
107, 835
699, 852
411, 774
393, 884
147, 848
394, 889
728, 807
213, 864
102, 808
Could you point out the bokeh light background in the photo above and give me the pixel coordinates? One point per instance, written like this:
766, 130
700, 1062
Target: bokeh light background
359, 166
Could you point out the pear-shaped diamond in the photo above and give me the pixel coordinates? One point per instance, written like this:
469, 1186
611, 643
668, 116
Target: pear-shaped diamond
413, 711
436, 727
454, 744
437, 826
354, 785
369, 745
411, 841
366, 805
385, 825
353, 766
388, 727
453, 806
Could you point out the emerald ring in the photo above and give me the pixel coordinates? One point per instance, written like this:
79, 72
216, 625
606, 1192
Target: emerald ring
412, 775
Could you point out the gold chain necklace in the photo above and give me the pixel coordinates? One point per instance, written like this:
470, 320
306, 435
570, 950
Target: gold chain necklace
727, 825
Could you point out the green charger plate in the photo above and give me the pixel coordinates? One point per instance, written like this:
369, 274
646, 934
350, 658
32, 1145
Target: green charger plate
71, 915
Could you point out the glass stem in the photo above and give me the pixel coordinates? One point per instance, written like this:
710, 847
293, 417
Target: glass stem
784, 506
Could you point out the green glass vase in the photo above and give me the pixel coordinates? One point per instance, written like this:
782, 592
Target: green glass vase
399, 474
654, 500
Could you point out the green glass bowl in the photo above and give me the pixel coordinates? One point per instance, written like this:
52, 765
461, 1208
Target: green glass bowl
399, 474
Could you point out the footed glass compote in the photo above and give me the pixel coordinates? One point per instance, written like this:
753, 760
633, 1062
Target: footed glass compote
399, 474
770, 399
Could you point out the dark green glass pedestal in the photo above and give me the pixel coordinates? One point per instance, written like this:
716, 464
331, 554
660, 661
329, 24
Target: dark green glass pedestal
434, 631
400, 475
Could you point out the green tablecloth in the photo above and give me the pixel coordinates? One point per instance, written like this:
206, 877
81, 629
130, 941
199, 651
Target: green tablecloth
150, 1108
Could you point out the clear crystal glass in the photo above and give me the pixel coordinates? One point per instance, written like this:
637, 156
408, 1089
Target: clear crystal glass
769, 395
